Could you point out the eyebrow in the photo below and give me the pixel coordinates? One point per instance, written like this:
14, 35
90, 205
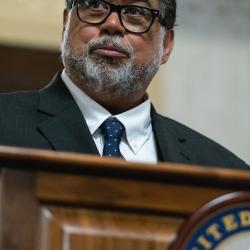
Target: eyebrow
133, 1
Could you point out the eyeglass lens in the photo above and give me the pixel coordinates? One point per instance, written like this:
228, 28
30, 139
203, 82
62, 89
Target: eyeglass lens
134, 18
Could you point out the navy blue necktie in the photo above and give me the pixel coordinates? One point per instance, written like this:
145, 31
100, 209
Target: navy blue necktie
113, 131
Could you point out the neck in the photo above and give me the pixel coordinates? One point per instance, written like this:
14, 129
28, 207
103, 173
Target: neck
116, 104
111, 99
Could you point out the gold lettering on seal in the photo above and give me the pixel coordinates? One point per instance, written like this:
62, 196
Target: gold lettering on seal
204, 242
230, 223
244, 218
214, 231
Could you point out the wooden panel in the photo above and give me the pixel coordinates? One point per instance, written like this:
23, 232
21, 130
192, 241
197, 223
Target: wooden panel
50, 236
94, 203
111, 192
67, 162
1, 199
26, 69
77, 229
19, 211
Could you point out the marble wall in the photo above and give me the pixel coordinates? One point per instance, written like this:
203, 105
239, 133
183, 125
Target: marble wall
206, 83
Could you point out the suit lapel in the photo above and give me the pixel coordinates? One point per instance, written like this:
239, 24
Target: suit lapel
65, 127
171, 146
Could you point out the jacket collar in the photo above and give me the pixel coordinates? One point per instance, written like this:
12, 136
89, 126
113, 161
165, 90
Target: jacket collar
65, 127
172, 146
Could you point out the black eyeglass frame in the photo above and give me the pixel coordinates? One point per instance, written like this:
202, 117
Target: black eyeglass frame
118, 8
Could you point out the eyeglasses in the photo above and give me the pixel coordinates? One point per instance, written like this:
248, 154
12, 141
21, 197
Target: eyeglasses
135, 19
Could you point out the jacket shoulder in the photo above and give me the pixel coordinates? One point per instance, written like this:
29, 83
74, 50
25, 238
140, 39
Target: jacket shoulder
204, 150
17, 100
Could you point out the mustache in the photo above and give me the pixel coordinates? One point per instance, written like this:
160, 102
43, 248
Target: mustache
113, 41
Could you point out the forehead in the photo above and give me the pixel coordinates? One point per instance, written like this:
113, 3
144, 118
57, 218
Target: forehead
148, 3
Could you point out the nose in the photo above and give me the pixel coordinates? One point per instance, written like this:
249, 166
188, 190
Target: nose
112, 25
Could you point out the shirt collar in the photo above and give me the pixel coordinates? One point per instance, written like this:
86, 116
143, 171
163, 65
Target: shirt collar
137, 121
93, 113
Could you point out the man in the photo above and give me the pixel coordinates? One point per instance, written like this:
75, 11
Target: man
111, 50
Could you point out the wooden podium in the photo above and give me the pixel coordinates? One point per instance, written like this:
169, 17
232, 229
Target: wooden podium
66, 201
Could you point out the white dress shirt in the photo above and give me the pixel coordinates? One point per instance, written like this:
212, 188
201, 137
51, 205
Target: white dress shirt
138, 143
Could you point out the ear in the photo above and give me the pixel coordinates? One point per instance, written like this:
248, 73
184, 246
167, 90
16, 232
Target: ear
65, 18
168, 44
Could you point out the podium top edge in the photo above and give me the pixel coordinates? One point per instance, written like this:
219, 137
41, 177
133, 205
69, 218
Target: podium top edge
47, 160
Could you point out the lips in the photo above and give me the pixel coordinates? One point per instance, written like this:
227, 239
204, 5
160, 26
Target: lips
110, 51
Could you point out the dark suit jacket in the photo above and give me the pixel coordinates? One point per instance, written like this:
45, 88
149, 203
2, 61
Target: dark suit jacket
51, 119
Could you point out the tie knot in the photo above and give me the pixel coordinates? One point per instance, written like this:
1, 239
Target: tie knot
112, 128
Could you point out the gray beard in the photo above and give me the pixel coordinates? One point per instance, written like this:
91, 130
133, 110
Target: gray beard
104, 73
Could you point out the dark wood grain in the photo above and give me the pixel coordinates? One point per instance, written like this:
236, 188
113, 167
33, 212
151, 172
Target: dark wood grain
65, 162
99, 229
58, 200
124, 193
26, 68
19, 211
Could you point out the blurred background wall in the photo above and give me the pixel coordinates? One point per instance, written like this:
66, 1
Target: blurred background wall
205, 85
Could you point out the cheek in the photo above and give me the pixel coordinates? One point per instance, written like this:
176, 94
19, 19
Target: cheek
144, 49
81, 35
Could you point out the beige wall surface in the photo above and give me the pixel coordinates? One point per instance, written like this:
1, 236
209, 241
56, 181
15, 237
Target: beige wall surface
206, 84
35, 23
